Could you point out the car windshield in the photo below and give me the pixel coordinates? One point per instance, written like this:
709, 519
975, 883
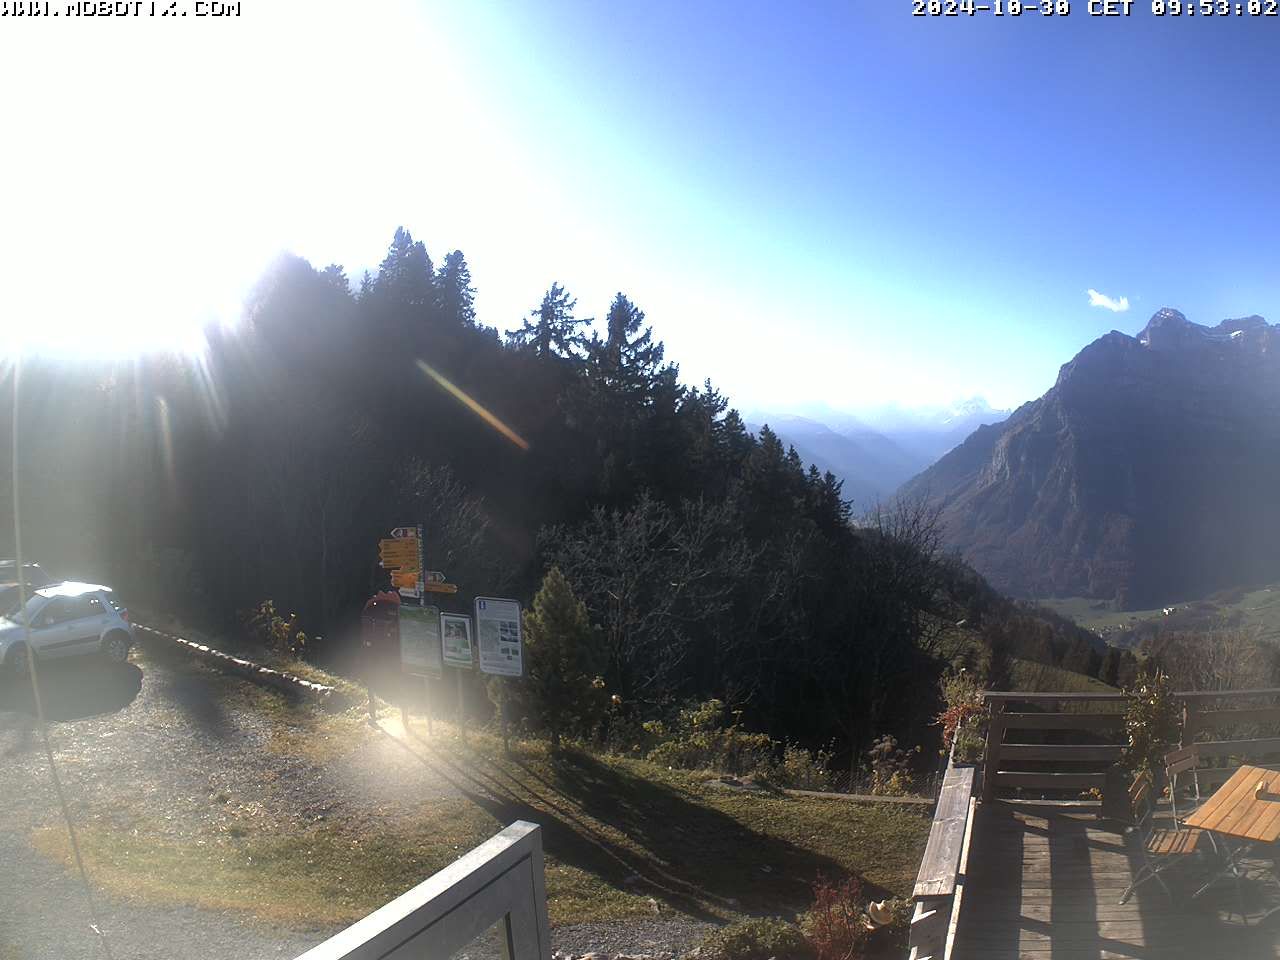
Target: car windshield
10, 606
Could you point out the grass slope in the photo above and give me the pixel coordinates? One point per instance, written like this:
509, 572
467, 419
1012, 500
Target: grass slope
620, 835
1042, 678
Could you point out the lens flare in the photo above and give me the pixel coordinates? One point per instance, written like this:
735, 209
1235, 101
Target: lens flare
474, 406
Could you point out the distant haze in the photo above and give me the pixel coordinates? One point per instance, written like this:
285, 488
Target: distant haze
877, 449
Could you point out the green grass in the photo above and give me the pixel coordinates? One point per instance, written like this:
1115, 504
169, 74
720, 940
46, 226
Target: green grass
1041, 678
617, 833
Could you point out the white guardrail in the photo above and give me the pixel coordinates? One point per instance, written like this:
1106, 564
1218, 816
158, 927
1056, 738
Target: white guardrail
500, 881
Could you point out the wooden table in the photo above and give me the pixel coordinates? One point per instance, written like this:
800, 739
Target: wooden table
1235, 812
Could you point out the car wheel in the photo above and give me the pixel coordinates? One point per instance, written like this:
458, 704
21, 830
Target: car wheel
116, 647
17, 664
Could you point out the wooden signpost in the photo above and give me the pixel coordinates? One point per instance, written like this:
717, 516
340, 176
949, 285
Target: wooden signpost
430, 640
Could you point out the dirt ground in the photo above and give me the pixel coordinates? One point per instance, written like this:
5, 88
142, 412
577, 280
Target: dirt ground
173, 751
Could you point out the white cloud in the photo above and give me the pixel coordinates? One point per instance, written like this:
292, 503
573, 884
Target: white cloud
1097, 299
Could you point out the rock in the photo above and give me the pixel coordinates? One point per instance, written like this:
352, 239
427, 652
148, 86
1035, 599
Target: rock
655, 906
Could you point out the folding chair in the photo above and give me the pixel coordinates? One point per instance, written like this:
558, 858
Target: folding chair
1158, 848
1184, 760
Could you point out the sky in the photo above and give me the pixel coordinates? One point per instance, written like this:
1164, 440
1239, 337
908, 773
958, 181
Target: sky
826, 203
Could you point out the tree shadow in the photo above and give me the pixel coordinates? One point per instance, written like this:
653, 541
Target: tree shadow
638, 834
73, 689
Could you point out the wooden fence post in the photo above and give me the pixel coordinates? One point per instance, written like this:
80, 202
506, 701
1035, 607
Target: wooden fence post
991, 757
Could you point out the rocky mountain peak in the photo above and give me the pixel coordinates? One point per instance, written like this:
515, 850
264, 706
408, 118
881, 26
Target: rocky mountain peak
1147, 473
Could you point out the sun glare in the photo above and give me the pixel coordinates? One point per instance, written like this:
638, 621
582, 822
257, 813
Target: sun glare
228, 145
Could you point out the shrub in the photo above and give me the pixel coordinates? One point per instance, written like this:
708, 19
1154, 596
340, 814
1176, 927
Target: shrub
890, 768
804, 769
701, 740
836, 926
702, 737
1151, 722
758, 939
278, 634
961, 720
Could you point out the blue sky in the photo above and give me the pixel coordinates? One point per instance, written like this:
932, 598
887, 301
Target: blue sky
842, 204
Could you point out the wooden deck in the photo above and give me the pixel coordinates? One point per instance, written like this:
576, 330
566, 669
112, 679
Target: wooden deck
1045, 885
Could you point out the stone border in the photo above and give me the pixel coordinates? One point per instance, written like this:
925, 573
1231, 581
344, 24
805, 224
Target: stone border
247, 668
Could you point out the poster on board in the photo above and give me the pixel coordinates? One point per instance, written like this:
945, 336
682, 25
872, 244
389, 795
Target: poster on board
456, 630
420, 640
499, 636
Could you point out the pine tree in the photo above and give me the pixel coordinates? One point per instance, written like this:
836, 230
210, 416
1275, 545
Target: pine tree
455, 295
561, 659
628, 360
552, 329
406, 275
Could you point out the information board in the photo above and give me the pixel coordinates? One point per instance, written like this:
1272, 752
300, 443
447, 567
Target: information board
420, 640
456, 629
499, 636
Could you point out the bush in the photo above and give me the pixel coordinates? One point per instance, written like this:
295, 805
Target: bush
836, 927
1152, 721
276, 633
804, 769
961, 721
701, 737
890, 768
759, 939
701, 740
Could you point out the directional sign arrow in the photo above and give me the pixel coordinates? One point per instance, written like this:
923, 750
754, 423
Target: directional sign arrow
441, 587
434, 576
404, 579
403, 566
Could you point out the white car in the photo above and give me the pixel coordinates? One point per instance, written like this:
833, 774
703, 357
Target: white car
66, 620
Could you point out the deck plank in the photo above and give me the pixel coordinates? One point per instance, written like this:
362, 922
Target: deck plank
1045, 885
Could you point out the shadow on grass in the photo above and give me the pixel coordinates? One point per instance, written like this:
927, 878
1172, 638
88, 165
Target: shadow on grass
638, 834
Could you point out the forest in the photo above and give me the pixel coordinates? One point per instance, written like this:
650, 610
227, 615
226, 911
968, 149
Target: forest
711, 562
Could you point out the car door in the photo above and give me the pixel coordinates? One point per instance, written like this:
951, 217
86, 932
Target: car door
65, 627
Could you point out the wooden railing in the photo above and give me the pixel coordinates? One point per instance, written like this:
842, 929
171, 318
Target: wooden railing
1061, 746
1055, 744
499, 882
940, 883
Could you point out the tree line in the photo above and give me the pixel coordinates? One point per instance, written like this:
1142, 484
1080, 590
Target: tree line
710, 562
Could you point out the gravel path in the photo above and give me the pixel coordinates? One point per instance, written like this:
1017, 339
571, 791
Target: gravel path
145, 741
158, 744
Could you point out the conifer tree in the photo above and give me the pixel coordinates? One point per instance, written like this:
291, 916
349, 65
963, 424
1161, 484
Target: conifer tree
456, 296
552, 329
561, 659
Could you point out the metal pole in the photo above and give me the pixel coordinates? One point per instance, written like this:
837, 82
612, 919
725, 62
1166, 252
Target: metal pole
426, 693
461, 712
502, 712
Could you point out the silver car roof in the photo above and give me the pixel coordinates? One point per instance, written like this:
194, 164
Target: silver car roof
71, 588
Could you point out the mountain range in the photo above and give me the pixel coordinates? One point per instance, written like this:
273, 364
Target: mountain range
1149, 472
876, 450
